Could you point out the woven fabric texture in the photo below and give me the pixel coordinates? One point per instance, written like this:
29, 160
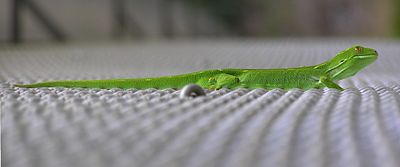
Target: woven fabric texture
50, 127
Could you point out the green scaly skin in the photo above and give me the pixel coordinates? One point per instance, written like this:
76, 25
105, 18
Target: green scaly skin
345, 64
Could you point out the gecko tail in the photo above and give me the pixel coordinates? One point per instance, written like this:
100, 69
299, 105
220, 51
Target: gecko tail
24, 85
141, 83
178, 81
36, 85
65, 84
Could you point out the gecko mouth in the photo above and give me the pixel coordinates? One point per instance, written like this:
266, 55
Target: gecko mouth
364, 56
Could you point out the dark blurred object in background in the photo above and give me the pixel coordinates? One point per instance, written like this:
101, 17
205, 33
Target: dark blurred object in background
396, 18
132, 19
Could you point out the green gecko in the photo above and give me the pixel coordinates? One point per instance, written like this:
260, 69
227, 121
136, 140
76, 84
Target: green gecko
345, 64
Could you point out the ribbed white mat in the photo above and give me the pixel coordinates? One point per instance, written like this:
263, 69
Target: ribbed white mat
51, 127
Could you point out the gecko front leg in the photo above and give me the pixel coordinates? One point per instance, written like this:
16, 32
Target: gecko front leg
329, 83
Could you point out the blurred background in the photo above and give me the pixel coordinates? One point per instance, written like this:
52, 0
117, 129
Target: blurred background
63, 20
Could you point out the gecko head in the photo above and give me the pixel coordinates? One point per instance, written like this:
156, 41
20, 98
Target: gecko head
348, 62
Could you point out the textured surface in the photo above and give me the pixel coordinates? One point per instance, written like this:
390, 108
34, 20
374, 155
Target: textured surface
90, 127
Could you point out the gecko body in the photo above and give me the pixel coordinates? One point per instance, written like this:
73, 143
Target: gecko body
345, 64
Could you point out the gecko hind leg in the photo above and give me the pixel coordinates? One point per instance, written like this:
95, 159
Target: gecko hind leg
226, 80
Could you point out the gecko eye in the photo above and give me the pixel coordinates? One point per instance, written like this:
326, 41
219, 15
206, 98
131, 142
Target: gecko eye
357, 49
341, 61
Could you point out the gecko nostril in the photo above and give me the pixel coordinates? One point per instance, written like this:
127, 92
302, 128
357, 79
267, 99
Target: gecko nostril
376, 53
